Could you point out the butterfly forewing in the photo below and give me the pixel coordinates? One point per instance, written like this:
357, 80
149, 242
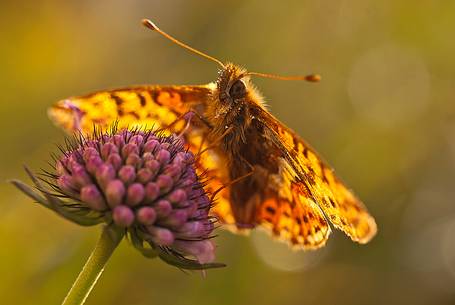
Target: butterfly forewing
342, 208
157, 107
141, 106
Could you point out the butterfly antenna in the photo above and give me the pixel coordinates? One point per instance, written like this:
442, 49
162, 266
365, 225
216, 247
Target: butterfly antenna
149, 24
310, 78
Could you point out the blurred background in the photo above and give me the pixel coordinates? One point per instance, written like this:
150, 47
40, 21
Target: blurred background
383, 116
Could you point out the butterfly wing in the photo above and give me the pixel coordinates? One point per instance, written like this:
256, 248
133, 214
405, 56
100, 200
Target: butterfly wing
150, 106
139, 106
292, 216
317, 180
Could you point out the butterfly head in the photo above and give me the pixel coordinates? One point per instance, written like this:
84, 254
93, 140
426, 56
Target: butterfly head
233, 85
233, 97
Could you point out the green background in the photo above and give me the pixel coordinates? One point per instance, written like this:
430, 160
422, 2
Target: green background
383, 116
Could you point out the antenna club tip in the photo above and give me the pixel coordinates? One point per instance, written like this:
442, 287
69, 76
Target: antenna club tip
149, 24
313, 78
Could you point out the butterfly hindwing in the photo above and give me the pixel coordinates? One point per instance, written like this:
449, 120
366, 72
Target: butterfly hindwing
297, 220
341, 207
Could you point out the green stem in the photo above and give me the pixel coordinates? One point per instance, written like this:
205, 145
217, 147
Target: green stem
109, 240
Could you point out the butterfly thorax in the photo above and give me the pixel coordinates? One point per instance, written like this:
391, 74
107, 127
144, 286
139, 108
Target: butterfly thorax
233, 114
232, 106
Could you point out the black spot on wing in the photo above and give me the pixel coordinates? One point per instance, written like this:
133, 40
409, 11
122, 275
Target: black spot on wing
118, 100
141, 98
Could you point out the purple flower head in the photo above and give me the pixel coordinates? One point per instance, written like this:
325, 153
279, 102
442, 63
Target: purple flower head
140, 181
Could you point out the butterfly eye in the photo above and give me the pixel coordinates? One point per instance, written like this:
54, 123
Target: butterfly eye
237, 90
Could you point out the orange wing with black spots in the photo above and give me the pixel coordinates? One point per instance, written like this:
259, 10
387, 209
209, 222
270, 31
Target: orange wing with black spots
298, 221
306, 169
139, 106
147, 106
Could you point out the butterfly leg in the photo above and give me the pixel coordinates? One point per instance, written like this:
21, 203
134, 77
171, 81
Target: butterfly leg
201, 118
217, 141
247, 163
187, 117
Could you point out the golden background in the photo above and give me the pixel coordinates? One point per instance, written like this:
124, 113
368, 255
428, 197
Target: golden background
383, 116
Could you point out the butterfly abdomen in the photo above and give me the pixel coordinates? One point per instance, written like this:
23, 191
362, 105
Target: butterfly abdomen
246, 159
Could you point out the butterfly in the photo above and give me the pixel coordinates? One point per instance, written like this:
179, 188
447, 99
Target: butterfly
264, 174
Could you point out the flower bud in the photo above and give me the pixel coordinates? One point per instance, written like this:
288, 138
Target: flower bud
115, 191
143, 183
115, 160
164, 183
163, 156
123, 216
161, 236
146, 215
92, 196
127, 174
151, 146
177, 196
144, 175
93, 163
163, 208
134, 160
80, 176
108, 149
105, 174
128, 149
135, 194
152, 191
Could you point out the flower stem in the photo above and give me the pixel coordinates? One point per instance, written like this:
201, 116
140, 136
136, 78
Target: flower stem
90, 273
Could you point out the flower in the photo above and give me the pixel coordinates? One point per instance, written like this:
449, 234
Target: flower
141, 182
